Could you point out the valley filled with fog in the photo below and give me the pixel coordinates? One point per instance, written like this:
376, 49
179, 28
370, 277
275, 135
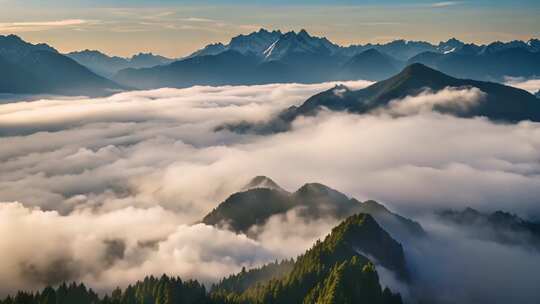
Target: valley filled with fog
112, 189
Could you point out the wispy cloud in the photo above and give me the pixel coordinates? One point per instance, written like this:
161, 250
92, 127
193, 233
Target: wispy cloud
445, 3
41, 25
196, 19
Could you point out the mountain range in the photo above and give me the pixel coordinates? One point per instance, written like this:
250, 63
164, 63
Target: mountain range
262, 198
257, 58
273, 56
39, 69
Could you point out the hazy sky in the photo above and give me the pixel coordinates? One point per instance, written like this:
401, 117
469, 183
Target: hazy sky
176, 28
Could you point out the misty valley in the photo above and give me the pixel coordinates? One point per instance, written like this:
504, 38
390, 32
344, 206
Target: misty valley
276, 166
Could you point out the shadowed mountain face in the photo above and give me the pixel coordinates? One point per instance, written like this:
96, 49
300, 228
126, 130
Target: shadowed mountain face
243, 210
337, 270
493, 63
40, 69
500, 102
494, 101
498, 226
370, 64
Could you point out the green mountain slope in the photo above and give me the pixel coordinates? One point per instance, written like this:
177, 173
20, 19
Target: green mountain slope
336, 270
340, 269
264, 198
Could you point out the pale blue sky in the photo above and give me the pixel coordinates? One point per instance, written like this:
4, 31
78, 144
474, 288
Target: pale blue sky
175, 28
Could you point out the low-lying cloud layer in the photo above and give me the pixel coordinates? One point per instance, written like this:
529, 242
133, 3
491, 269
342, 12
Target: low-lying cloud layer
449, 99
115, 248
108, 188
531, 85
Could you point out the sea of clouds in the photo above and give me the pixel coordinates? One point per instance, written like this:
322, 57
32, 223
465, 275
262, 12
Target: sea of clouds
108, 190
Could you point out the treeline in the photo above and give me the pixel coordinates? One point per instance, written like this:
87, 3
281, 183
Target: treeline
240, 282
151, 290
331, 272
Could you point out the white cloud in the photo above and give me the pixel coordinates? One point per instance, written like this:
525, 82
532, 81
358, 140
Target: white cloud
531, 85
445, 4
114, 248
41, 25
196, 19
450, 267
448, 99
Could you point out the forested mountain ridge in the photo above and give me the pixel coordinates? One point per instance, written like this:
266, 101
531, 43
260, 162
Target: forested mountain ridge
334, 271
254, 206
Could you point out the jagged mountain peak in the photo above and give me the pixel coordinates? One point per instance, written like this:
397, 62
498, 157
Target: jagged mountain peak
15, 46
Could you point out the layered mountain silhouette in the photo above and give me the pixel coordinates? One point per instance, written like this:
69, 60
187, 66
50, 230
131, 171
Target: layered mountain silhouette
40, 69
339, 269
494, 101
257, 58
498, 226
256, 204
272, 56
370, 64
107, 66
494, 62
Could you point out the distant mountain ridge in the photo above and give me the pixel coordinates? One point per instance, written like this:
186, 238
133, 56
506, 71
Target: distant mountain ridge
276, 57
493, 62
267, 44
499, 226
107, 66
40, 69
